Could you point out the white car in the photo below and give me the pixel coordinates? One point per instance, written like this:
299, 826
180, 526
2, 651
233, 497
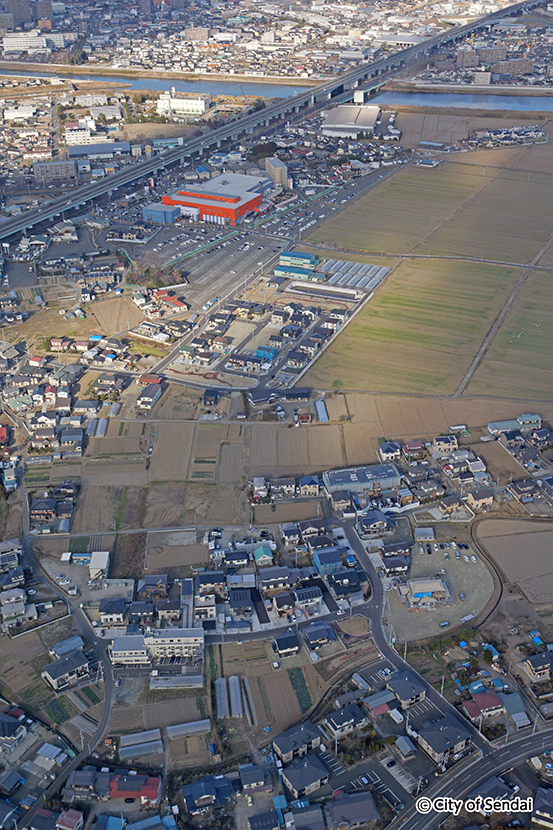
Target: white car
340, 613
465, 557
473, 558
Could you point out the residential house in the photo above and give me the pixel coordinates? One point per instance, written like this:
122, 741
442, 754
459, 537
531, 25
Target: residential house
538, 666
444, 444
483, 705
413, 450
327, 560
210, 582
443, 738
282, 488
296, 741
112, 611
205, 607
42, 510
305, 776
142, 613
543, 807
290, 533
154, 586
12, 732
169, 610
67, 671
309, 486
307, 598
283, 604
318, 635
274, 579
389, 451
287, 644
349, 811
312, 527
480, 499
375, 523
407, 689
240, 602
70, 820
263, 556
210, 791
254, 779
346, 720
149, 396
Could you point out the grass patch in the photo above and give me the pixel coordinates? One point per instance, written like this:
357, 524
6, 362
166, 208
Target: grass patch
79, 544
119, 513
297, 679
128, 556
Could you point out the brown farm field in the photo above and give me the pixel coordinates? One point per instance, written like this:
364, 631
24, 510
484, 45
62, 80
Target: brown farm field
420, 331
522, 551
518, 362
391, 219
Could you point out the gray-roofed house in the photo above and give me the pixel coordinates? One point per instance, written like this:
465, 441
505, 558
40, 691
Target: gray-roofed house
305, 776
346, 720
255, 779
443, 739
12, 733
264, 821
543, 807
347, 811
495, 788
296, 741
407, 689
7, 812
112, 611
67, 671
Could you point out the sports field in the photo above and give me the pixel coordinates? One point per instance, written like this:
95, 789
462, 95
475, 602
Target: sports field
396, 216
420, 331
518, 362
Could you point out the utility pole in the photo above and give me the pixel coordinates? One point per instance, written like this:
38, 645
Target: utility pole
405, 653
442, 689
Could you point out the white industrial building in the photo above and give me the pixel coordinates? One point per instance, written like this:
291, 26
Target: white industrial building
349, 120
169, 103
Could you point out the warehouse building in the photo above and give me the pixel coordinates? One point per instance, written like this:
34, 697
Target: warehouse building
362, 479
160, 213
226, 199
350, 120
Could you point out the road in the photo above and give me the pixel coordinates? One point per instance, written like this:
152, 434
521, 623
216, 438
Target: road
326, 91
86, 631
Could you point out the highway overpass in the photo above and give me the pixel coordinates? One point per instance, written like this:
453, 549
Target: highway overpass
359, 76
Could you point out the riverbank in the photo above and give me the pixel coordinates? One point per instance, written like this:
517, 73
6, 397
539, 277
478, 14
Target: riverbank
468, 89
54, 69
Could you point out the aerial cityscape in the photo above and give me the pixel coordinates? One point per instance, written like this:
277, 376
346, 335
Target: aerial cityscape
276, 533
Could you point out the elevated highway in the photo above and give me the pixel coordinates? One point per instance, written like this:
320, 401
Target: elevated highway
361, 75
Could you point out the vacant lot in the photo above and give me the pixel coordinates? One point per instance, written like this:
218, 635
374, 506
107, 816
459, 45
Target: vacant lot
450, 128
523, 552
420, 331
171, 454
394, 218
116, 315
518, 362
176, 549
128, 557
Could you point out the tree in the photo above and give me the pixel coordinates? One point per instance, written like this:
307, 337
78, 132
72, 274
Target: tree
488, 656
102, 119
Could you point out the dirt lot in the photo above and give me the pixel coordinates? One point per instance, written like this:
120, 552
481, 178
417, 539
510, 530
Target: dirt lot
175, 550
474, 580
499, 462
116, 315
522, 551
452, 128
129, 556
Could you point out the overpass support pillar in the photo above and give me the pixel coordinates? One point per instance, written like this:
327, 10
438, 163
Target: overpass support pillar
219, 142
312, 100
267, 122
250, 130
297, 108
328, 96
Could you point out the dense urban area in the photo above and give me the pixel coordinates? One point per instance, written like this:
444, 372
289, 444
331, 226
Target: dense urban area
276, 533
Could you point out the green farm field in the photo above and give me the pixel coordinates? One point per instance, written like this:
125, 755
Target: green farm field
420, 331
398, 215
518, 362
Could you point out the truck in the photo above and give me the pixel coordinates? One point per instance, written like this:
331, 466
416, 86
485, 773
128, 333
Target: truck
396, 716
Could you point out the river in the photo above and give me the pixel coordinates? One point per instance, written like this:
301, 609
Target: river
264, 90
516, 103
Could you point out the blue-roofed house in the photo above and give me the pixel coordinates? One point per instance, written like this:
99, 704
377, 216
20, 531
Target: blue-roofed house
327, 561
309, 486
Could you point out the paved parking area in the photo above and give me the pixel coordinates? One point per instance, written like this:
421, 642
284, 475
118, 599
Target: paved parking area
376, 673
402, 775
331, 762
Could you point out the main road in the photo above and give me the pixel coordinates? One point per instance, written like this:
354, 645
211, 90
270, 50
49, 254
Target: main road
281, 109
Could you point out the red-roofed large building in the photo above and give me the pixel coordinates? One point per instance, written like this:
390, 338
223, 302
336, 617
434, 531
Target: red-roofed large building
226, 199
